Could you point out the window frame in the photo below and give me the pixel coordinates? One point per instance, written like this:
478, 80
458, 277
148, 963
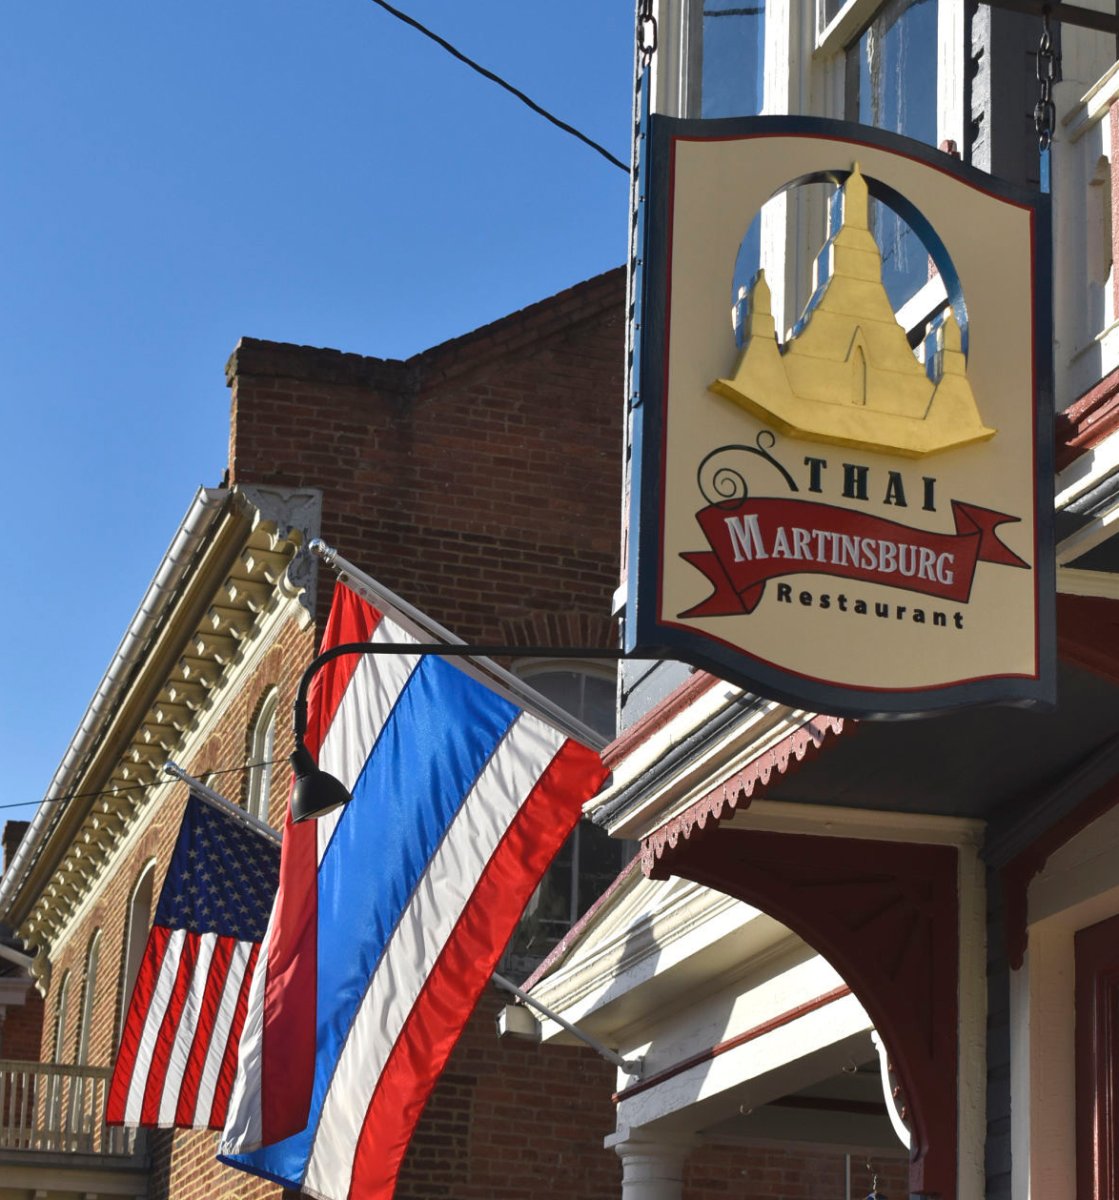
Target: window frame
89, 988
262, 740
1096, 950
135, 940
834, 40
60, 1016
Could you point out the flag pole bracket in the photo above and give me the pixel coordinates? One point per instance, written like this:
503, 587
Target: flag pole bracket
631, 1066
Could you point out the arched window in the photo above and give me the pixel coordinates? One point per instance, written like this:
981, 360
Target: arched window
88, 993
587, 690
136, 936
79, 1104
60, 1016
262, 746
54, 1086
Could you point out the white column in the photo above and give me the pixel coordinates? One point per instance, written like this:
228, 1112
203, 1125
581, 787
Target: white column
652, 1167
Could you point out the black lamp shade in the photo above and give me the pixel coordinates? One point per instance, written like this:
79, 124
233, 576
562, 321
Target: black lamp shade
315, 792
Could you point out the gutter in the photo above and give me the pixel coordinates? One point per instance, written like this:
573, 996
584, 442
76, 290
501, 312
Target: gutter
199, 520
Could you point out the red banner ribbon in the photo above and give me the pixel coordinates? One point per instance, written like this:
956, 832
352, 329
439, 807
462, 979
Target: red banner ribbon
758, 540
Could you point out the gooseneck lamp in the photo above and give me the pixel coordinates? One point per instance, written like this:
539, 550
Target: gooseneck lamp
315, 792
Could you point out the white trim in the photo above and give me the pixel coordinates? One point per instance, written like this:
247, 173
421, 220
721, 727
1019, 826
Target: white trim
812, 1046
760, 729
1090, 536
1071, 582
134, 940
61, 1005
866, 824
1076, 888
923, 304
1093, 106
971, 1078
845, 25
12, 955
650, 929
951, 73
89, 988
1087, 472
262, 745
901, 1130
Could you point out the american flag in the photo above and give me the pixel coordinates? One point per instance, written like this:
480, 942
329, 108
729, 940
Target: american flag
178, 1050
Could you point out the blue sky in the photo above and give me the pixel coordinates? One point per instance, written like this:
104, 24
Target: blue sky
176, 176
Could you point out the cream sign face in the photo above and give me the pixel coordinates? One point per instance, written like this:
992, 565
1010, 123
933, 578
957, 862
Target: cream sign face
820, 515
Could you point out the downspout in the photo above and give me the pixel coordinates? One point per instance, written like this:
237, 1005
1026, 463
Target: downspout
178, 559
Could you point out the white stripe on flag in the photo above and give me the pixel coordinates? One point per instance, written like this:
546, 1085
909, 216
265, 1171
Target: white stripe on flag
185, 1033
370, 697
161, 997
243, 1122
424, 927
215, 1052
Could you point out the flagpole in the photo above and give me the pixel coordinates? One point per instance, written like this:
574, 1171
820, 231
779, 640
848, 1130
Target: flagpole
424, 627
215, 800
631, 1066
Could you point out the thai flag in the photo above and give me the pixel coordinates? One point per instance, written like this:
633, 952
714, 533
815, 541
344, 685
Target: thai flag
178, 1050
393, 911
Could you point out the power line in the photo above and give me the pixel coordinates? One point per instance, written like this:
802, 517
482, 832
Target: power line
138, 787
487, 74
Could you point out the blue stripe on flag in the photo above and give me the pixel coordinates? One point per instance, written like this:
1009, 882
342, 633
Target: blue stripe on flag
437, 740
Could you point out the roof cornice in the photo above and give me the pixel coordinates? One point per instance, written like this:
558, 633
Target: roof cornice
236, 555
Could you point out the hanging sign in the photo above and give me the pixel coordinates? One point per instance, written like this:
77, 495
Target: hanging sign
853, 515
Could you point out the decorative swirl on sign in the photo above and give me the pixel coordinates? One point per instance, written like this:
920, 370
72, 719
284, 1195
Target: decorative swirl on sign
723, 485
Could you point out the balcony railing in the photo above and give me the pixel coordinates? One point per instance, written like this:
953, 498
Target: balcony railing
58, 1109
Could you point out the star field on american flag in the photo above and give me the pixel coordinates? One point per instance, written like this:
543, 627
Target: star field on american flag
222, 877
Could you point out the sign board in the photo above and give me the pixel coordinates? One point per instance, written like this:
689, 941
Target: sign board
824, 515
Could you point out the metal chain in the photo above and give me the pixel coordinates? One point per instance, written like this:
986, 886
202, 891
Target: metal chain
1048, 73
646, 31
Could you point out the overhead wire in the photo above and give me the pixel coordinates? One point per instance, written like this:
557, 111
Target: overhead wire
138, 787
494, 78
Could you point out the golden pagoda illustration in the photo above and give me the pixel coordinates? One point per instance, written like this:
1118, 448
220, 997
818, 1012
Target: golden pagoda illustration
848, 376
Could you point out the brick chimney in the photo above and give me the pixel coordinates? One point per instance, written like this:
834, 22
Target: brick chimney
11, 838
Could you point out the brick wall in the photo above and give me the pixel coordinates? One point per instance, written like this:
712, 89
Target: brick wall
510, 1120
480, 479
22, 1029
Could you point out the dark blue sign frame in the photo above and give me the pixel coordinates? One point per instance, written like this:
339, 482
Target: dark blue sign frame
646, 636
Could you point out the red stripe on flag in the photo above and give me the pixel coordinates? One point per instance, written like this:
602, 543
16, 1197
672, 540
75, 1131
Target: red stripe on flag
138, 1005
207, 1017
229, 1059
168, 1030
288, 1042
458, 978
350, 620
